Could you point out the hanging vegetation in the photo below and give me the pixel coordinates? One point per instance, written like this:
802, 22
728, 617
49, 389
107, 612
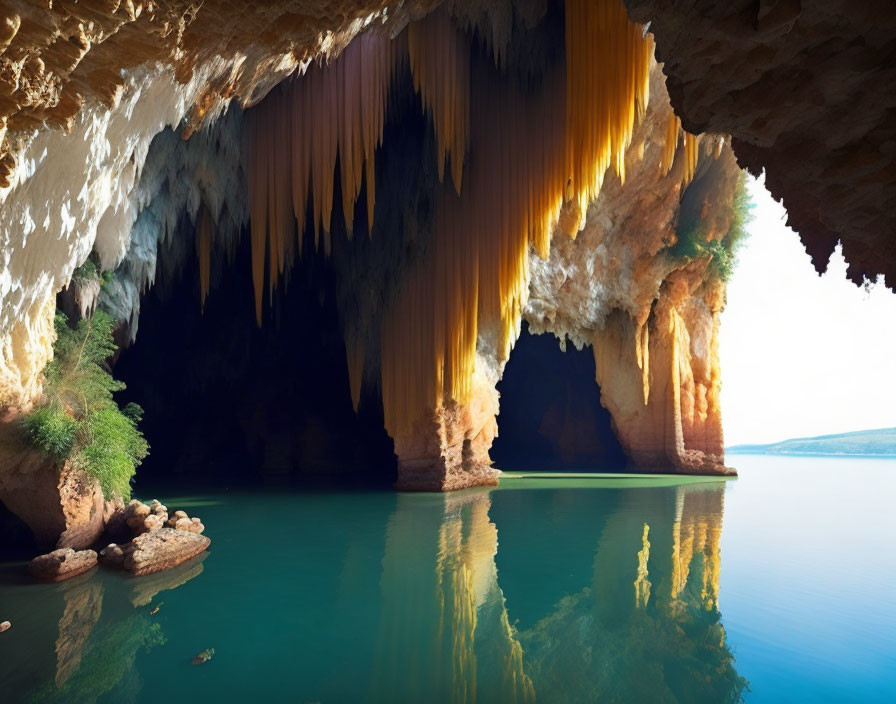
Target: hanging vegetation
78, 419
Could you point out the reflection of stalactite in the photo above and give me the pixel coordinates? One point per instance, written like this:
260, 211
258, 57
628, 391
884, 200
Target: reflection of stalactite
696, 535
457, 614
446, 659
642, 583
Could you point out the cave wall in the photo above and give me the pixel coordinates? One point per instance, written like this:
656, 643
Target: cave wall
121, 184
803, 90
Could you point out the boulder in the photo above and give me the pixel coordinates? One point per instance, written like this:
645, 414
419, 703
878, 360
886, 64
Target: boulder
112, 555
61, 564
172, 521
161, 550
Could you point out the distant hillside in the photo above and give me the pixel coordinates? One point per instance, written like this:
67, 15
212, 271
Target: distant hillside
880, 442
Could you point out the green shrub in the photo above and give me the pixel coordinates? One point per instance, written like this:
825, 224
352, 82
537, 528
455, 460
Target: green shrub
78, 418
692, 236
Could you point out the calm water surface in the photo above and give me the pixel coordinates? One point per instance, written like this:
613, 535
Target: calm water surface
774, 587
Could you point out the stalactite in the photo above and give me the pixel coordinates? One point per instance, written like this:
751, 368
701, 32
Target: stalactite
642, 353
440, 65
691, 155
607, 79
294, 138
690, 148
535, 146
204, 252
673, 127
476, 267
531, 148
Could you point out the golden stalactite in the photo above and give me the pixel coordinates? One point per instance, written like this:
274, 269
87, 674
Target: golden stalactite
440, 65
534, 148
204, 252
642, 583
691, 155
294, 138
476, 269
670, 146
530, 151
690, 149
607, 86
642, 353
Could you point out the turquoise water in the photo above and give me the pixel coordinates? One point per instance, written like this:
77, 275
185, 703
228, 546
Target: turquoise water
775, 587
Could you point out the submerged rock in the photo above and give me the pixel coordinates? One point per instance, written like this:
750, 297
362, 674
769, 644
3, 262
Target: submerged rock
203, 657
5, 626
62, 564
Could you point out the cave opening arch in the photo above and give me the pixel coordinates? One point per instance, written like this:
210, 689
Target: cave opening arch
551, 418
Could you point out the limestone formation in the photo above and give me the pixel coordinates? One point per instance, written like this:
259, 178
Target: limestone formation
801, 89
62, 564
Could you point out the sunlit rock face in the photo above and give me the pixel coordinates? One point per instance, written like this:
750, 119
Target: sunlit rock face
802, 90
651, 317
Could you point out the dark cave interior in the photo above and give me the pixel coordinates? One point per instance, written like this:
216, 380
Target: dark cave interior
551, 418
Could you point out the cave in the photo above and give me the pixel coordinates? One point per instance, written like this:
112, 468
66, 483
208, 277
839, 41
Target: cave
352, 277
551, 418
227, 400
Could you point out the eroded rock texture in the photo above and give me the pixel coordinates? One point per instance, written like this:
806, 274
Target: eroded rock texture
651, 316
63, 506
61, 564
803, 88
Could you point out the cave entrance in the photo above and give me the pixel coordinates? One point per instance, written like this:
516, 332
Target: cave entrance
551, 418
226, 400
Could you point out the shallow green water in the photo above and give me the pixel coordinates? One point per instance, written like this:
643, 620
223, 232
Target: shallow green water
560, 589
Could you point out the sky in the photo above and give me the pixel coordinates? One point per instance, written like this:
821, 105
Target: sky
802, 354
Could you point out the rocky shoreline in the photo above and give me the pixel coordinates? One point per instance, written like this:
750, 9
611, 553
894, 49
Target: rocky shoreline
140, 539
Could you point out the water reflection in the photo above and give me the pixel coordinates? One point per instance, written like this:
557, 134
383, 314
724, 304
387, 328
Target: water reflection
444, 633
609, 595
96, 656
531, 592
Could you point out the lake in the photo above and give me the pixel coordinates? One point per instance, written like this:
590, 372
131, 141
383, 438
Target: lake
776, 586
